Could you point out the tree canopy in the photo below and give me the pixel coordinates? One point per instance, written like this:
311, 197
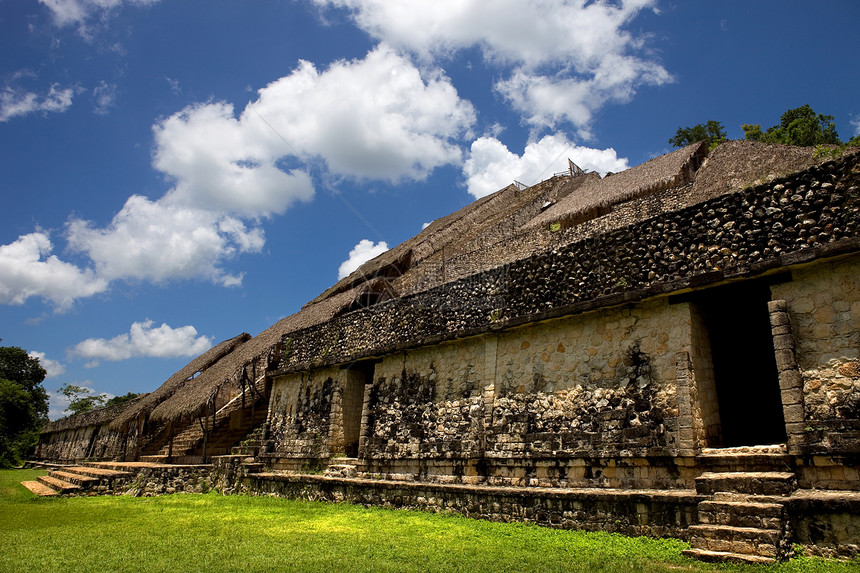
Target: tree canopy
81, 399
121, 399
712, 131
23, 404
799, 126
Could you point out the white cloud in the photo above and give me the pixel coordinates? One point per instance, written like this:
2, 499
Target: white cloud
222, 165
144, 340
360, 254
70, 12
371, 118
492, 166
550, 100
15, 102
579, 52
27, 269
52, 367
104, 97
855, 123
158, 241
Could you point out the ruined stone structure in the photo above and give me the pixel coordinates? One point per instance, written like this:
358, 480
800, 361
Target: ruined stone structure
670, 350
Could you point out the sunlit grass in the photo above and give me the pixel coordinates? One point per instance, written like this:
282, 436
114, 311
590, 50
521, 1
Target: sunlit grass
240, 533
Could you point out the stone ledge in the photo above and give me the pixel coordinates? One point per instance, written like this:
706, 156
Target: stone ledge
686, 495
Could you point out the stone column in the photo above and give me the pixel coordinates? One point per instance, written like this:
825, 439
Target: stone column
790, 378
684, 394
365, 426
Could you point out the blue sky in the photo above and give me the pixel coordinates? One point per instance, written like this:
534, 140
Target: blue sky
176, 173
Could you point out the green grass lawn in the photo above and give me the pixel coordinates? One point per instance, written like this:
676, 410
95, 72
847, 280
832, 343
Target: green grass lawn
211, 532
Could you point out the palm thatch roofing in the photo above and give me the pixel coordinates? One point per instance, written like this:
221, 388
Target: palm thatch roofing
94, 417
508, 225
192, 399
662, 172
188, 373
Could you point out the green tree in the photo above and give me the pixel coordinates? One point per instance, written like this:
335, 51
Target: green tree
81, 399
712, 132
121, 399
23, 404
799, 126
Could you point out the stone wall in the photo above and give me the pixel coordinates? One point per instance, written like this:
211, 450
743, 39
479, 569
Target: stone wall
78, 443
300, 412
428, 402
555, 403
823, 302
660, 514
600, 384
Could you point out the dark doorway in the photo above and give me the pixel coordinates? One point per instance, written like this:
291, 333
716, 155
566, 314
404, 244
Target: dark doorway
746, 378
359, 374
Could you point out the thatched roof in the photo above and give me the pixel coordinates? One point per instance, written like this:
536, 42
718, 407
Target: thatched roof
662, 172
94, 417
735, 165
188, 373
191, 398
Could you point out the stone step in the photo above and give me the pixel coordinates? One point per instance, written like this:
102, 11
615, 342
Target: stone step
731, 539
727, 557
75, 478
157, 459
742, 514
99, 472
750, 461
750, 483
39, 488
58, 485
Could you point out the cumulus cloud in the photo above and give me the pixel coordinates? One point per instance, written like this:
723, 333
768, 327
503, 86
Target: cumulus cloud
52, 367
16, 102
580, 53
28, 269
360, 254
371, 118
151, 240
144, 339
492, 166
547, 101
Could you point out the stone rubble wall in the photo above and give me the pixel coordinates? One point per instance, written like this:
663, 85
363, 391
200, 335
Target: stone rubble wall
300, 410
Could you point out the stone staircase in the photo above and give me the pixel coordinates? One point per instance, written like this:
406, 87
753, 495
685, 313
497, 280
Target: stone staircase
76, 480
187, 446
253, 444
744, 519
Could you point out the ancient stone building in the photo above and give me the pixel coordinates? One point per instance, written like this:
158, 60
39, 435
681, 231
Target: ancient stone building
669, 350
